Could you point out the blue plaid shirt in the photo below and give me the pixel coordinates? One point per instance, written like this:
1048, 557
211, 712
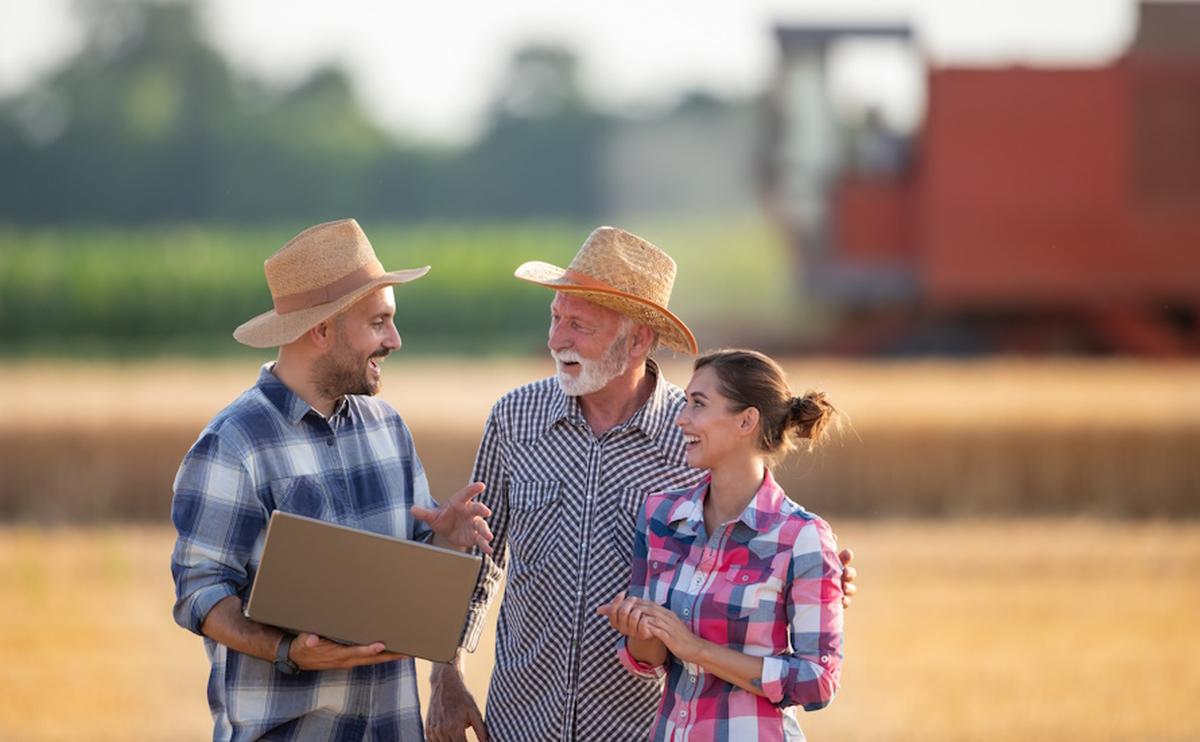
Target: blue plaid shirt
269, 450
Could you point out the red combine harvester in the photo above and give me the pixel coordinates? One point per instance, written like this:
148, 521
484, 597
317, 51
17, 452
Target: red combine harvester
1036, 210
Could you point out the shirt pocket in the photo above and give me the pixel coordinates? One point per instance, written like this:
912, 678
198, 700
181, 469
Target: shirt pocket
621, 514
533, 520
661, 567
746, 592
301, 496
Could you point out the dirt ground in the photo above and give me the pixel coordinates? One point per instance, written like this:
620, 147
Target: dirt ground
964, 630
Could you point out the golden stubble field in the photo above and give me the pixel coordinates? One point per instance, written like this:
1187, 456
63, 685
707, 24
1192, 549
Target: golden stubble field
964, 630
969, 628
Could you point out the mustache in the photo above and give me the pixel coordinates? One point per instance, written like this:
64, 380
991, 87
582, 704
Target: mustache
381, 353
566, 355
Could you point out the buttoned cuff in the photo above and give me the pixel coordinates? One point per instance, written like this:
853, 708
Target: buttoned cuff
191, 612
476, 617
773, 671
633, 665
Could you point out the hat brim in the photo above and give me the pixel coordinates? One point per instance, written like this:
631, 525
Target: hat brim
672, 332
271, 329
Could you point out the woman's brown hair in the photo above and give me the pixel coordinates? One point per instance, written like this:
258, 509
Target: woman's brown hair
750, 379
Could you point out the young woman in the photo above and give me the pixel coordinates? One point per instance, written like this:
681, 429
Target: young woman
736, 591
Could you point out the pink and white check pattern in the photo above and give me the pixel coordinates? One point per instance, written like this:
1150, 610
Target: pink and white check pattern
767, 584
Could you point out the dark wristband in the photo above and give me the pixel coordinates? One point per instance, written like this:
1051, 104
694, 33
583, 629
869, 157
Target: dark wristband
283, 663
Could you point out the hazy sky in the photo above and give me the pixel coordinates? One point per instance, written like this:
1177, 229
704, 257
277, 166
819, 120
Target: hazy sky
427, 68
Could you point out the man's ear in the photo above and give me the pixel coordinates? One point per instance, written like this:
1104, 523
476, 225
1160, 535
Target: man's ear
321, 334
642, 338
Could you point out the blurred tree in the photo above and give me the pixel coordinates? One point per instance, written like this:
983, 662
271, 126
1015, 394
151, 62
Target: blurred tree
149, 124
544, 136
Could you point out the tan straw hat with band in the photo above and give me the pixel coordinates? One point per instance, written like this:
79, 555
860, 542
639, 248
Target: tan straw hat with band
316, 275
621, 271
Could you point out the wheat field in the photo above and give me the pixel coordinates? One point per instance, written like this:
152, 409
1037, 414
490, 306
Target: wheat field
991, 625
964, 630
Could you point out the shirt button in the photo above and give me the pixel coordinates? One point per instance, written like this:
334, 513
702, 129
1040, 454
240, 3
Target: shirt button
686, 612
329, 441
825, 658
683, 714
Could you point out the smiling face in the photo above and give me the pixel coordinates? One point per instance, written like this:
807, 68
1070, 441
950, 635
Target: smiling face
364, 335
712, 433
589, 344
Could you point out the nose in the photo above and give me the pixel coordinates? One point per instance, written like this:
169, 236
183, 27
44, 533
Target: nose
558, 338
392, 341
679, 419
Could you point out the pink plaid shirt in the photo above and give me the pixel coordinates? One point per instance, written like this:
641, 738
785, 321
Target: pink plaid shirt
767, 584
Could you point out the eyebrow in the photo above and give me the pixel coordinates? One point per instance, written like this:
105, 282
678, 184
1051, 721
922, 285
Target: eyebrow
699, 394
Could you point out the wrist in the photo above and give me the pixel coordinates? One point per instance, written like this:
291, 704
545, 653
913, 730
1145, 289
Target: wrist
699, 653
283, 655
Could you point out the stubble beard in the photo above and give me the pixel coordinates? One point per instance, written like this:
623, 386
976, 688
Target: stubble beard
341, 371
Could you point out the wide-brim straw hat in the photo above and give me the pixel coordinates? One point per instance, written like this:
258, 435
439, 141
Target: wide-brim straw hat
621, 271
317, 274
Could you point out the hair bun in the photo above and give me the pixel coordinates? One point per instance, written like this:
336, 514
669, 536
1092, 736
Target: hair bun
809, 413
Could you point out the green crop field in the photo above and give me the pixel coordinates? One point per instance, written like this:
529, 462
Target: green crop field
129, 292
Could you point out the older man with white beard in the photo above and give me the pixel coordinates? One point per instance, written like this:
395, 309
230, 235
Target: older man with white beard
568, 462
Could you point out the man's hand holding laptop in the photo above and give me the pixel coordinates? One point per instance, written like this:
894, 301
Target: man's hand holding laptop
458, 524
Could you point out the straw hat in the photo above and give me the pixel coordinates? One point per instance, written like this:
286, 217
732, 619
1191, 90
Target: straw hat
317, 274
621, 271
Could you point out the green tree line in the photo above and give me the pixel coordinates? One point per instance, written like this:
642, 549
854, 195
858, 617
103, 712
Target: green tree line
149, 124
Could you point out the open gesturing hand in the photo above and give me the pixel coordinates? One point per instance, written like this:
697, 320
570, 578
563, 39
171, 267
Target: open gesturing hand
460, 521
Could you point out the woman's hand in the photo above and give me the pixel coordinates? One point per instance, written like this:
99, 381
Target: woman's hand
669, 629
625, 615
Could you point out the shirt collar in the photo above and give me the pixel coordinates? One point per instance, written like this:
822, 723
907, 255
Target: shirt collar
289, 404
760, 514
652, 418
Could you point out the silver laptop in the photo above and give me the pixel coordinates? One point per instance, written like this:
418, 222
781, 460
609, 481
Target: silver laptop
360, 587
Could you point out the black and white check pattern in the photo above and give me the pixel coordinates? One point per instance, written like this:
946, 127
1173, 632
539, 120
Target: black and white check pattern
565, 504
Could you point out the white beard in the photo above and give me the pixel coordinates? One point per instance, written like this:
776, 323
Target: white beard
593, 375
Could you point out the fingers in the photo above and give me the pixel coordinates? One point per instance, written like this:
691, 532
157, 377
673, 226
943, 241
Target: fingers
845, 555
467, 493
476, 722
483, 535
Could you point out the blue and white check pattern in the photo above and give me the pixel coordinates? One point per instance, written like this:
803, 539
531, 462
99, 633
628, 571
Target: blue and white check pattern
269, 450
564, 508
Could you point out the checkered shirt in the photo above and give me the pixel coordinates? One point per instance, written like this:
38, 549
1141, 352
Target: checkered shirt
767, 584
565, 505
270, 450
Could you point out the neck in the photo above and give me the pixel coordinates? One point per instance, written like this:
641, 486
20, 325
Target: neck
617, 400
295, 371
734, 484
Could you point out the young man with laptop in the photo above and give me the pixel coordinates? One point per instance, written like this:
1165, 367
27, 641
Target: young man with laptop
309, 438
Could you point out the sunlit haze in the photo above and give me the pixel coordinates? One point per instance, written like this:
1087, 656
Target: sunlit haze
427, 69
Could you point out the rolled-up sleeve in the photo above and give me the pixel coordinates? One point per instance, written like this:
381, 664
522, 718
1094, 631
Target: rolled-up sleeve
809, 675
218, 520
489, 469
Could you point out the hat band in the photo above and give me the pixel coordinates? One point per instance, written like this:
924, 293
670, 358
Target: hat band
586, 280
329, 292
